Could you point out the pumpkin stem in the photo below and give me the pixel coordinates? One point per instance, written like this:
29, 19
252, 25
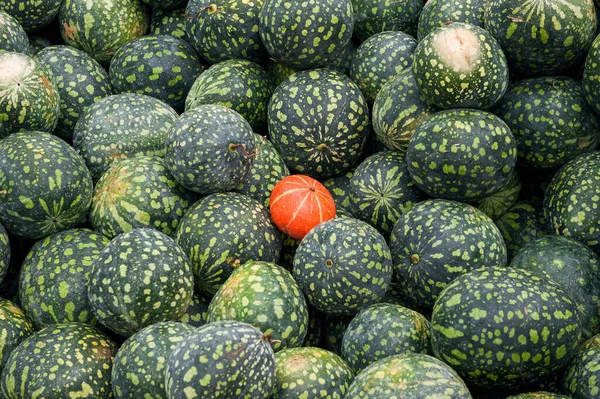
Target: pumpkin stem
323, 147
3, 192
232, 148
269, 337
212, 8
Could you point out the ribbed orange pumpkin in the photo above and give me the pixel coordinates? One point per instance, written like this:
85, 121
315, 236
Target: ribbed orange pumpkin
299, 203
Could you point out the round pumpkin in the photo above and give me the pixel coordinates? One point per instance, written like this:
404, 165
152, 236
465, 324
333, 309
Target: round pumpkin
298, 203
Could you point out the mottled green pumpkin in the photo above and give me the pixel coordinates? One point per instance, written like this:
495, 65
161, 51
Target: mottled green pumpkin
29, 98
310, 373
169, 22
438, 13
5, 253
14, 328
225, 359
581, 378
196, 314
591, 76
339, 187
140, 363
80, 80
138, 192
45, 186
522, 223
497, 204
53, 283
77, 359
374, 16
140, 278
12, 34
32, 14
38, 42
120, 126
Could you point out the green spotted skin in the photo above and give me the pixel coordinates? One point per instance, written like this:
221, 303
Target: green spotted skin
102, 27
318, 122
210, 149
80, 81
381, 190
374, 16
591, 76
503, 327
339, 187
160, 66
570, 201
240, 85
140, 364
571, 264
169, 22
461, 66
308, 34
12, 34
267, 169
538, 395
550, 120
32, 14
398, 110
224, 30
222, 231
77, 360
310, 373
266, 296
542, 38
410, 376
462, 155
342, 266
522, 223
138, 192
438, 240
121, 126
29, 98
383, 330
5, 252
196, 314
379, 58
140, 278
289, 246
14, 328
224, 359
497, 204
438, 13
581, 377
44, 185
53, 283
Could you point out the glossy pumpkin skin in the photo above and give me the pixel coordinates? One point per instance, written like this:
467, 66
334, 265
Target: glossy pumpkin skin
298, 203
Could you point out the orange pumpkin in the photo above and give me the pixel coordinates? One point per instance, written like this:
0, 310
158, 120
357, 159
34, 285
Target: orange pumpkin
298, 203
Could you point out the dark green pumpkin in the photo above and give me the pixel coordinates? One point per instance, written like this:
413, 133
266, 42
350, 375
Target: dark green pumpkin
12, 34
169, 22
339, 187
374, 16
522, 223
581, 378
5, 253
497, 204
196, 314
14, 328
32, 14
438, 13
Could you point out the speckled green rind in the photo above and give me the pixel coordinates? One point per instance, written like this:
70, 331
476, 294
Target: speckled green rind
160, 66
334, 328
140, 278
398, 110
32, 14
379, 58
462, 154
139, 366
342, 266
169, 22
574, 266
102, 27
538, 395
238, 84
120, 126
222, 231
550, 120
581, 377
437, 241
504, 327
591, 76
318, 121
570, 200
522, 223
310, 373
408, 376
14, 328
497, 204
383, 330
71, 359
138, 192
37, 43
196, 314
541, 38
166, 4
306, 35
381, 190
474, 75
374, 16
12, 35
266, 296
53, 284
227, 29
210, 149
267, 169
225, 359
438, 13
5, 253
289, 246
342, 60
29, 98
44, 185
80, 80
339, 187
